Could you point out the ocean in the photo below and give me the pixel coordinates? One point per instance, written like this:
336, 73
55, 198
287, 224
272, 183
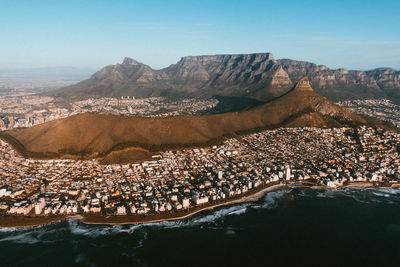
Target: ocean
287, 227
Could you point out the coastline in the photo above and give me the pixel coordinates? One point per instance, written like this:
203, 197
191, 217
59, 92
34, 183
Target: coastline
250, 198
10, 222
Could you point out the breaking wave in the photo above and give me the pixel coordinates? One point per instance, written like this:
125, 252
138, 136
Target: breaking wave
211, 219
92, 245
270, 200
367, 195
29, 235
48, 233
77, 228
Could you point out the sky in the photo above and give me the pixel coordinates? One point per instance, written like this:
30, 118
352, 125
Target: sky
92, 34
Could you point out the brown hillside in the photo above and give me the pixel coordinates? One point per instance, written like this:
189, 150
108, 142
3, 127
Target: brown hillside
93, 135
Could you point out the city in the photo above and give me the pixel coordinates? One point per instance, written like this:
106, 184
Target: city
178, 182
383, 109
24, 109
200, 133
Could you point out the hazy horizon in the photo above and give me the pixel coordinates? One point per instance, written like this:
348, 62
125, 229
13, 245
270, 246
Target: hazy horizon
96, 68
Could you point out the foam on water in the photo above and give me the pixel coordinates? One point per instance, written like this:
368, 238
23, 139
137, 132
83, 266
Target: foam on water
25, 238
238, 212
31, 236
381, 194
270, 199
324, 195
5, 230
196, 220
53, 232
389, 191
366, 195
141, 241
130, 229
220, 214
229, 226
39, 234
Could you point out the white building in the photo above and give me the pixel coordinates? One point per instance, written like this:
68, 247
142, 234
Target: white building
288, 173
199, 199
121, 210
185, 203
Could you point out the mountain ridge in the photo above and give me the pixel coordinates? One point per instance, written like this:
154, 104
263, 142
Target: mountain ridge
231, 75
259, 76
342, 84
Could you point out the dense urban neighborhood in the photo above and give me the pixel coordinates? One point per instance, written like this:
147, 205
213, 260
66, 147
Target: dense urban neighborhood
26, 110
181, 180
383, 109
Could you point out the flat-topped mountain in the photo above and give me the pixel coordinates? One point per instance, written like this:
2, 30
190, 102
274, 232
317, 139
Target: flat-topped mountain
123, 138
251, 75
257, 76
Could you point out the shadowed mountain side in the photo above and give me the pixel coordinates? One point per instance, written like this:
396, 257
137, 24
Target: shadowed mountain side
258, 76
247, 75
94, 135
342, 84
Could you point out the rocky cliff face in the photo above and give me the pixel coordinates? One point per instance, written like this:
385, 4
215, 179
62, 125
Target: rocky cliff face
218, 69
250, 75
343, 84
257, 76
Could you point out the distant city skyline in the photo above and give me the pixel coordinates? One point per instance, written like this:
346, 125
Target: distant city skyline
358, 35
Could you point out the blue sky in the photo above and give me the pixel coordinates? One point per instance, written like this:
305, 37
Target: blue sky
91, 34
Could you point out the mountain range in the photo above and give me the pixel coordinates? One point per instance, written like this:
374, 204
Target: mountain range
258, 76
114, 138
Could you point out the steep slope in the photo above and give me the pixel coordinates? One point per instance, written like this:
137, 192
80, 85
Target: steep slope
250, 75
257, 76
93, 135
111, 81
343, 84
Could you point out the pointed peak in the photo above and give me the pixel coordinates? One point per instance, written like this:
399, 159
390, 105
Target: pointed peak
303, 85
129, 61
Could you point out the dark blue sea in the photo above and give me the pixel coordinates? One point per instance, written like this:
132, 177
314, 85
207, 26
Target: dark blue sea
298, 227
